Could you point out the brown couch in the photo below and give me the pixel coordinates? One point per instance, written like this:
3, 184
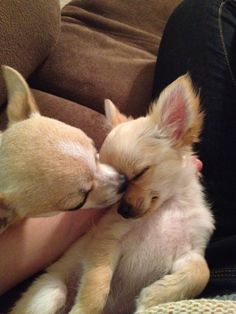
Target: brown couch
75, 58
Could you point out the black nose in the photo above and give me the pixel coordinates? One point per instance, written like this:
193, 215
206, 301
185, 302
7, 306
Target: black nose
123, 185
126, 210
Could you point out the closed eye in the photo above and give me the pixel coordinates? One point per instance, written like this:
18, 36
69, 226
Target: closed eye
137, 176
86, 194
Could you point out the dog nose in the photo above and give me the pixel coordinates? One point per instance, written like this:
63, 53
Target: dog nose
126, 210
123, 185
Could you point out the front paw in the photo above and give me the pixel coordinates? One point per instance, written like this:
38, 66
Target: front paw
47, 295
147, 298
76, 309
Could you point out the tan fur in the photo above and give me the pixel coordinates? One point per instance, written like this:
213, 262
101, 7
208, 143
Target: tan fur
186, 283
156, 258
21, 104
113, 114
47, 165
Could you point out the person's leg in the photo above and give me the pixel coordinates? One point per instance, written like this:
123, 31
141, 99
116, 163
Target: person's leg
200, 38
32, 245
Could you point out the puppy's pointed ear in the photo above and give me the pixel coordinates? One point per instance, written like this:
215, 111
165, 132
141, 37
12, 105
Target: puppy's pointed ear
113, 115
21, 103
177, 112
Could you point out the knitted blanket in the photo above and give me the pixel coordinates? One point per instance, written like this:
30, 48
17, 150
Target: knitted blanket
221, 305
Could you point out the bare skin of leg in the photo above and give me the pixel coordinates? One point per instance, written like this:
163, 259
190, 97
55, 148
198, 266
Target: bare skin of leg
32, 245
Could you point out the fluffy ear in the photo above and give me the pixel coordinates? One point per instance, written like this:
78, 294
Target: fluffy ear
113, 115
21, 103
177, 112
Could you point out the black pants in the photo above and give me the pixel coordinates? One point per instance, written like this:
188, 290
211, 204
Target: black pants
200, 38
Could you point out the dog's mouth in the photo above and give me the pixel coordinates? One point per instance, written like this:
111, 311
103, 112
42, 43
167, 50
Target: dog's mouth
127, 211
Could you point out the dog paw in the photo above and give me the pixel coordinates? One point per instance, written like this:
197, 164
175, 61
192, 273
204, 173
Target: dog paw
147, 298
78, 310
47, 295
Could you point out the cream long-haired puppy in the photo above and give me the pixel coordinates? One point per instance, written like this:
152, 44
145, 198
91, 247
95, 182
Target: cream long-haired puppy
125, 265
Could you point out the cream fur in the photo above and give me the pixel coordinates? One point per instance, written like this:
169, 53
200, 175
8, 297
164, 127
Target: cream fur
126, 265
47, 165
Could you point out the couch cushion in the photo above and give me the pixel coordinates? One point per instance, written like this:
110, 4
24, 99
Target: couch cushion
91, 122
28, 29
107, 49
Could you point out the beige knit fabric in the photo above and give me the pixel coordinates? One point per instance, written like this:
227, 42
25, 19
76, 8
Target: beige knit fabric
202, 306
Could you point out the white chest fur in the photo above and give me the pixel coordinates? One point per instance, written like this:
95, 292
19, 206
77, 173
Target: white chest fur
152, 245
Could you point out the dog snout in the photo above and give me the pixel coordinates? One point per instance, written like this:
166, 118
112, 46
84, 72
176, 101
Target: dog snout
123, 184
109, 176
126, 210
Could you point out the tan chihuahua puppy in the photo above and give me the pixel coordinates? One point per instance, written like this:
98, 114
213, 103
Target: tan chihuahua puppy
47, 165
125, 265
